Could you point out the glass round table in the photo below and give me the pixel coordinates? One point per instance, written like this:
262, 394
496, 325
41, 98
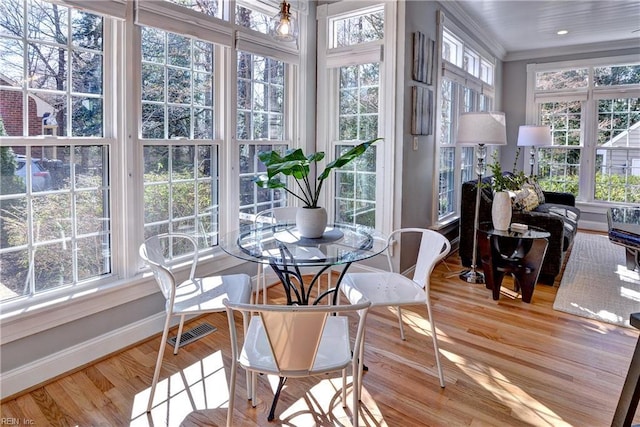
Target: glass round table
282, 247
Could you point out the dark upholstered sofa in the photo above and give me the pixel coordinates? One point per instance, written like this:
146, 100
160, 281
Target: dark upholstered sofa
558, 215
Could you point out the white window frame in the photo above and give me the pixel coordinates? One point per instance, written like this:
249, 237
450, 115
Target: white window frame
480, 79
129, 281
589, 96
329, 61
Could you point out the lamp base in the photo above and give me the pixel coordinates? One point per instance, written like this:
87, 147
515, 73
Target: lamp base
472, 276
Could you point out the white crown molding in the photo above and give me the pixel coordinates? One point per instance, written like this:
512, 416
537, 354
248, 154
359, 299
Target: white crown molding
474, 29
572, 50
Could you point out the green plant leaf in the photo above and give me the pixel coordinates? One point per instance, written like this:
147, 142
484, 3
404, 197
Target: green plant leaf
341, 161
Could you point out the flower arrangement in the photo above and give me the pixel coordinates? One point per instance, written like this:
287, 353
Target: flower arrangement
295, 164
500, 182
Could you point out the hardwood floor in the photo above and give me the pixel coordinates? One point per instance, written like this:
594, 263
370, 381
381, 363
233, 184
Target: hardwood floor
506, 363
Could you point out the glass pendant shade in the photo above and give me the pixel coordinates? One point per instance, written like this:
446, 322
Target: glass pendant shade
284, 27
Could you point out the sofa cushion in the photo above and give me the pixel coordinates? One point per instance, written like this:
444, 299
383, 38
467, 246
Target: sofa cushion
524, 199
536, 187
570, 216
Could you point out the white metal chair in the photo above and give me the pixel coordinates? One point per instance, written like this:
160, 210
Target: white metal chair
285, 214
297, 341
196, 295
391, 289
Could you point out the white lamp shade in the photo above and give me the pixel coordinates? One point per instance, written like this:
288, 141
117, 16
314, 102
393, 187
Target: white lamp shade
532, 135
482, 128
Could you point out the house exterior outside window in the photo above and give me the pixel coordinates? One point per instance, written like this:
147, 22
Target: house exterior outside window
56, 133
593, 109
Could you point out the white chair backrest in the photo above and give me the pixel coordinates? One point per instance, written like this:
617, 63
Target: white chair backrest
294, 337
294, 332
152, 251
280, 214
433, 248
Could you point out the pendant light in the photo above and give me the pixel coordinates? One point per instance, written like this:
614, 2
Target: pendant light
284, 27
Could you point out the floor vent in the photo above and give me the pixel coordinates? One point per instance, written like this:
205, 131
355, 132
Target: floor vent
193, 334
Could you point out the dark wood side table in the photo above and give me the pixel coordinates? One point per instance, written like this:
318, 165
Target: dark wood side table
630, 395
512, 252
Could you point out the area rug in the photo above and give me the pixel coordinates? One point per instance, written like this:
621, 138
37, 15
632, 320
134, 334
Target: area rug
596, 283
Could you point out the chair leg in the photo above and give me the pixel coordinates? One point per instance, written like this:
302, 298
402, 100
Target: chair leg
232, 392
344, 387
357, 381
254, 377
436, 349
156, 373
245, 326
401, 325
177, 346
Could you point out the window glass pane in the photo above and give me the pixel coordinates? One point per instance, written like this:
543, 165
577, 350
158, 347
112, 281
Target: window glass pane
260, 97
559, 169
446, 112
260, 116
357, 121
254, 199
356, 188
565, 120
617, 175
55, 227
566, 79
617, 171
177, 86
206, 7
616, 75
452, 49
362, 28
253, 19
618, 122
181, 191
446, 196
54, 69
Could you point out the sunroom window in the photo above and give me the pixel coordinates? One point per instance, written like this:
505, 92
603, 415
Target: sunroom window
180, 160
55, 216
593, 109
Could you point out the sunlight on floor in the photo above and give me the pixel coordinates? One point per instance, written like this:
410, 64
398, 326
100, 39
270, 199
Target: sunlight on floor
203, 385
528, 409
627, 275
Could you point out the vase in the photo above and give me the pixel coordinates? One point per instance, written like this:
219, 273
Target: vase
501, 211
311, 222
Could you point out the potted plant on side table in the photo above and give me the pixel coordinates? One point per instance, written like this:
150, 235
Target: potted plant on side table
311, 220
501, 209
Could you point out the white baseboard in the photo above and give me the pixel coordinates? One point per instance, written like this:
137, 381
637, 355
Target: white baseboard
49, 367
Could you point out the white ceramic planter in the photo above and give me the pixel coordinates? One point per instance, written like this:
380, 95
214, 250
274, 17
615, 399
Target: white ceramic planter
311, 222
501, 210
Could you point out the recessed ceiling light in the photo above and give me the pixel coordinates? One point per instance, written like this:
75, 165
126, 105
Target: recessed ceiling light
562, 32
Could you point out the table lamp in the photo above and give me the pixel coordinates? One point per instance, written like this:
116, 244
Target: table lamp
479, 129
533, 136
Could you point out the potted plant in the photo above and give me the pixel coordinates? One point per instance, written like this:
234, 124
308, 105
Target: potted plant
298, 166
501, 184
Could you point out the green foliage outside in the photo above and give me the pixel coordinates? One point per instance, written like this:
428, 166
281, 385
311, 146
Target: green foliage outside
610, 188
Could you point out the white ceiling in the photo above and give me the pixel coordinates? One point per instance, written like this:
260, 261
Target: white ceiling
525, 28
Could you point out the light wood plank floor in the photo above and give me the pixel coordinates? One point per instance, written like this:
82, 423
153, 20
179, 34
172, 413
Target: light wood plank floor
506, 363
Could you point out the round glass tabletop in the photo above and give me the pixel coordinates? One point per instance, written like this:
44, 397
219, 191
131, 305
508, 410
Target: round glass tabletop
282, 244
